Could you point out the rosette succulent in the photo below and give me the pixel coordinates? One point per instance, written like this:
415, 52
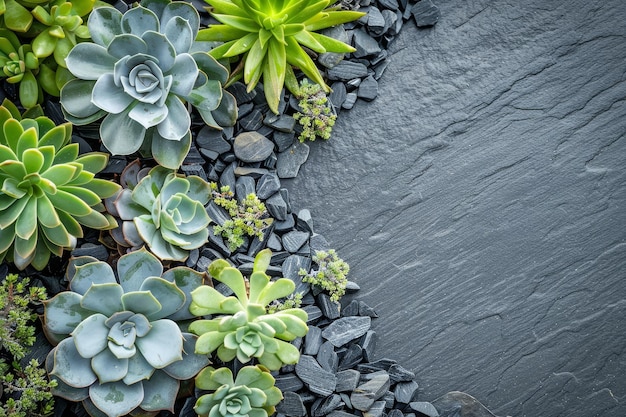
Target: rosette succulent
20, 66
47, 190
166, 211
243, 329
271, 34
139, 73
120, 347
251, 394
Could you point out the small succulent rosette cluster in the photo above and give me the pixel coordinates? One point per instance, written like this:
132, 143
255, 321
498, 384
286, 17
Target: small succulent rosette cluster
251, 394
272, 35
48, 192
242, 328
139, 73
120, 349
165, 211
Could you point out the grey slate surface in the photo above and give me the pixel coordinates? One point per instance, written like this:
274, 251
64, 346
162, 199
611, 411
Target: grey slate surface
480, 201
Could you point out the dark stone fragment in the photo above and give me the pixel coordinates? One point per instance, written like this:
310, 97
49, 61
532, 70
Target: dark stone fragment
304, 221
347, 70
256, 245
243, 186
352, 287
368, 343
331, 59
379, 365
255, 173
368, 90
283, 140
305, 250
270, 162
193, 157
398, 373
290, 160
318, 242
313, 341
338, 95
348, 103
330, 309
216, 242
389, 399
294, 240
380, 68
389, 4
244, 110
211, 139
267, 185
318, 380
325, 406
252, 147
89, 249
345, 397
347, 380
252, 121
194, 169
352, 357
273, 243
288, 382
313, 313
327, 357
460, 404
366, 394
282, 123
390, 21
209, 155
376, 410
218, 214
346, 329
227, 177
353, 84
375, 21
285, 195
425, 13
277, 207
351, 309
308, 397
115, 166
365, 45
291, 268
340, 413
239, 90
365, 310
291, 405
405, 392
395, 413
192, 259
285, 225
425, 408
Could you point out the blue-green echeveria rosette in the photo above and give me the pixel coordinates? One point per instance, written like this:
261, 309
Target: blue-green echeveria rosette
139, 73
119, 345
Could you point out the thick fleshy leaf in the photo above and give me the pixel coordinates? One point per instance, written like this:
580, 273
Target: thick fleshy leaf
108, 96
90, 336
62, 389
163, 345
108, 367
104, 298
275, 290
104, 24
287, 353
187, 280
176, 124
26, 223
116, 398
135, 267
183, 11
191, 364
138, 369
120, 134
161, 48
87, 272
127, 208
234, 279
63, 312
170, 153
60, 174
168, 294
138, 20
142, 302
211, 379
184, 72
160, 392
206, 96
89, 61
207, 300
208, 342
179, 31
148, 114
70, 367
76, 99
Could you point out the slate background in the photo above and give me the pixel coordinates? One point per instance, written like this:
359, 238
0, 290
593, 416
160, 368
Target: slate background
480, 201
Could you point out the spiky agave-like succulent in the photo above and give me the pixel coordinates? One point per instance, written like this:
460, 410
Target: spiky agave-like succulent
120, 347
251, 394
47, 190
166, 211
270, 34
138, 73
243, 328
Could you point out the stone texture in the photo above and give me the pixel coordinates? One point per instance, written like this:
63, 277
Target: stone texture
290, 160
252, 147
317, 379
366, 394
483, 192
345, 329
460, 404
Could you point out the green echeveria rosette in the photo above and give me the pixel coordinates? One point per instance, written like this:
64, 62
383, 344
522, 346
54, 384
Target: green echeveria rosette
139, 73
242, 328
166, 211
120, 346
270, 36
251, 394
48, 191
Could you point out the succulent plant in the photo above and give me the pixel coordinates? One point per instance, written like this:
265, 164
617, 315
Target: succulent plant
120, 347
47, 190
315, 114
271, 34
20, 66
16, 14
139, 73
251, 394
331, 274
166, 211
243, 329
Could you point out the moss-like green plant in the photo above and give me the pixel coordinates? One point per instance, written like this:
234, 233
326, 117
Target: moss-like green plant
140, 73
121, 348
315, 115
270, 35
291, 301
331, 274
27, 388
251, 394
47, 191
249, 217
242, 328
